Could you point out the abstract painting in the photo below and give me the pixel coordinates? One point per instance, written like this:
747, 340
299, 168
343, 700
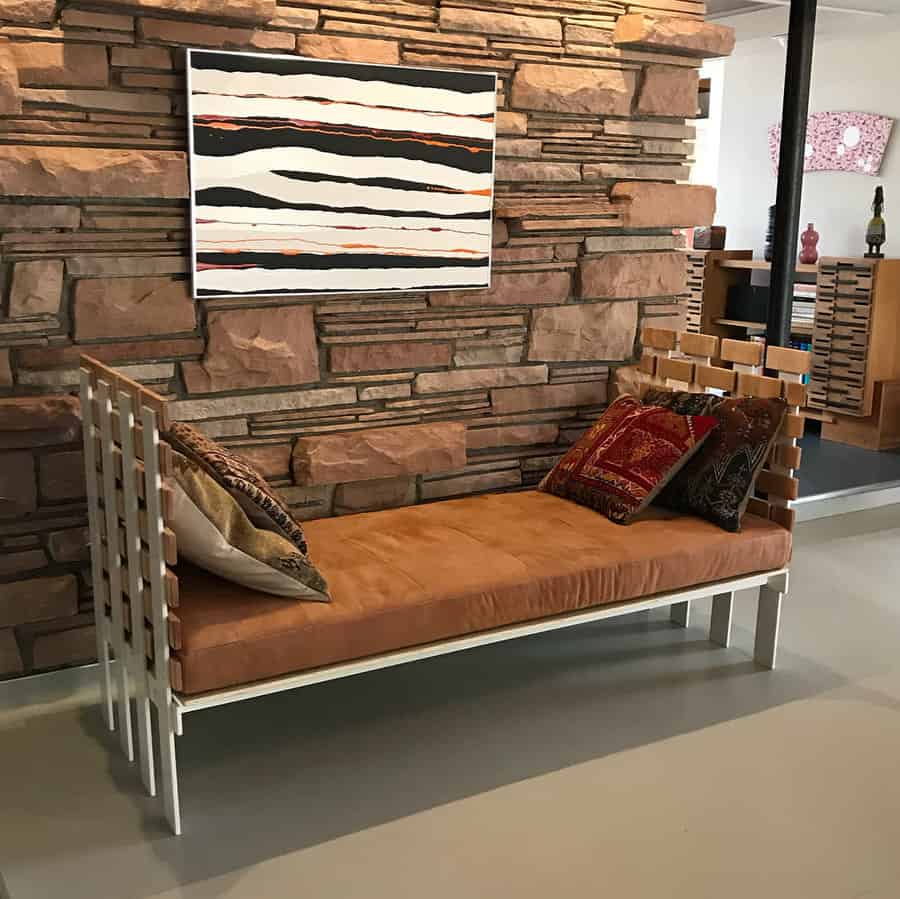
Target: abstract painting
312, 176
840, 142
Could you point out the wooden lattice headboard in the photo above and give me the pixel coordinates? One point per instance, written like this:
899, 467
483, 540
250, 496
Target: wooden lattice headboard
678, 360
127, 467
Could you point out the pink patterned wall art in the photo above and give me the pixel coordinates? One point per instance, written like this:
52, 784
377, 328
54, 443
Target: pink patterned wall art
840, 142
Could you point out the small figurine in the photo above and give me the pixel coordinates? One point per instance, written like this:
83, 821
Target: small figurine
876, 234
809, 239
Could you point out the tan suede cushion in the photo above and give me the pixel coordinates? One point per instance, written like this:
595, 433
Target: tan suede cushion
414, 575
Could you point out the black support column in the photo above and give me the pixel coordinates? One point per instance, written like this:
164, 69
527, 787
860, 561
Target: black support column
790, 169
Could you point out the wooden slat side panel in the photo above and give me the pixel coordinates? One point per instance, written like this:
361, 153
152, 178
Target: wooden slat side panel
648, 364
781, 358
715, 377
676, 369
787, 455
745, 352
706, 345
795, 393
659, 338
778, 485
783, 516
758, 386
142, 396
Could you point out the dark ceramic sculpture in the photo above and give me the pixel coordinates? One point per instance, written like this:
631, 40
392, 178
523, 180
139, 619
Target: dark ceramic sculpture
876, 234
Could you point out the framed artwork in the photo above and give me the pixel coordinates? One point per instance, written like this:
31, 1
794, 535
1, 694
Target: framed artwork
840, 142
314, 177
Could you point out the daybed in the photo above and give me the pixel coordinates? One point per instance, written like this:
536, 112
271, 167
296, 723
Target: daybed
406, 583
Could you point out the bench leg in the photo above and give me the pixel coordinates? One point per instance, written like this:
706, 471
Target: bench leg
720, 622
680, 613
768, 620
168, 768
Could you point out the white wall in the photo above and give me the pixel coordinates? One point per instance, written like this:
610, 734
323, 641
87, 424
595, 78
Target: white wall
859, 72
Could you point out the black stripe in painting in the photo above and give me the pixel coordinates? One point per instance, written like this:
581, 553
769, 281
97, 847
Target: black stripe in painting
460, 82
215, 142
234, 196
390, 183
300, 291
307, 261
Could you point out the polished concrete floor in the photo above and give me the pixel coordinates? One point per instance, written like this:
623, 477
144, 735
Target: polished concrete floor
624, 759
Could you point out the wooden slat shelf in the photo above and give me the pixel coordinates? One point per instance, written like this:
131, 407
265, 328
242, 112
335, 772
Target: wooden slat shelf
761, 326
761, 265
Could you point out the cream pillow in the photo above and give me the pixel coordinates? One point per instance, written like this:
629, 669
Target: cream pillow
214, 532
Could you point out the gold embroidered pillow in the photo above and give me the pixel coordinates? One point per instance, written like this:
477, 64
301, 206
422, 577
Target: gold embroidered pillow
212, 531
259, 505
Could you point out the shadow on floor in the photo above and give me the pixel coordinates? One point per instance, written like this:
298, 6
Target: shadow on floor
278, 774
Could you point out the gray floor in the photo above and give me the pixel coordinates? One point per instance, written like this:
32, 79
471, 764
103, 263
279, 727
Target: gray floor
829, 466
626, 759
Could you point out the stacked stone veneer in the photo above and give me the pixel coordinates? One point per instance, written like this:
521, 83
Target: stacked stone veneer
347, 403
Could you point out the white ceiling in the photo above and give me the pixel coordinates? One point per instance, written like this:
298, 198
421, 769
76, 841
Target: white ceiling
752, 20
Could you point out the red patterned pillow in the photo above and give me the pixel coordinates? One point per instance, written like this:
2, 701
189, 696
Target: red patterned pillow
627, 457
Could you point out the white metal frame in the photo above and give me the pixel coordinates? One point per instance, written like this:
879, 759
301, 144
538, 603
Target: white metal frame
123, 420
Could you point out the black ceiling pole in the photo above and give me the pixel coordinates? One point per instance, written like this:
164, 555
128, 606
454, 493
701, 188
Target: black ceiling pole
798, 67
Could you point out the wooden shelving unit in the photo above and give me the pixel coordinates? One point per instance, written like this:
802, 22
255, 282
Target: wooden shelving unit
760, 265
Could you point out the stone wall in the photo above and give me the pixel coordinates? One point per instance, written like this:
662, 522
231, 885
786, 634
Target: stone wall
347, 403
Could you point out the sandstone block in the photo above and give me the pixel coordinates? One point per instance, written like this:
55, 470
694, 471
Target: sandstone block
499, 233
511, 435
27, 560
10, 99
125, 266
690, 37
295, 18
583, 331
389, 356
32, 421
250, 10
170, 31
368, 496
608, 171
385, 392
71, 646
350, 49
480, 378
109, 100
511, 289
69, 545
633, 275
669, 91
271, 460
612, 243
308, 503
39, 171
585, 34
513, 170
127, 351
500, 23
10, 657
38, 599
269, 347
61, 65
36, 288
488, 355
570, 89
524, 148
96, 21
226, 427
512, 123
37, 217
125, 307
141, 57
5, 369
471, 483
644, 204
548, 396
380, 453
61, 476
18, 485
253, 404
29, 12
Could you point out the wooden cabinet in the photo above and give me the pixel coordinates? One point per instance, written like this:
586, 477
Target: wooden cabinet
856, 351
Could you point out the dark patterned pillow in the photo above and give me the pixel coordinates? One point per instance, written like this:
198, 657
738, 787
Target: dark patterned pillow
626, 458
240, 479
718, 482
681, 401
